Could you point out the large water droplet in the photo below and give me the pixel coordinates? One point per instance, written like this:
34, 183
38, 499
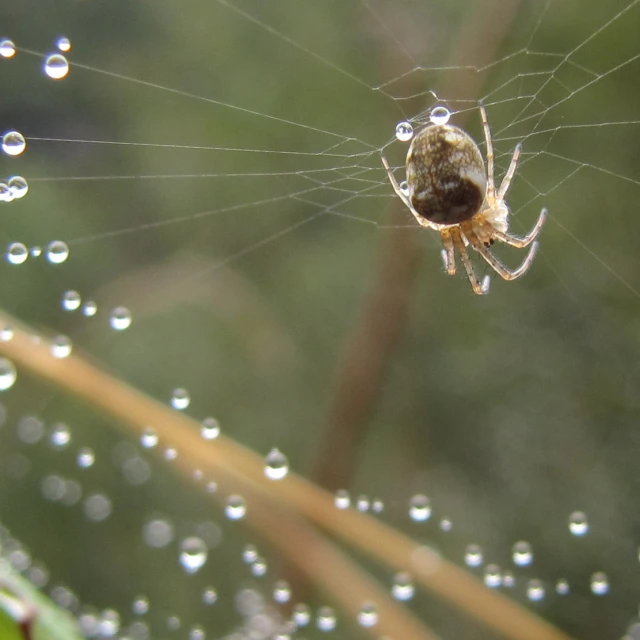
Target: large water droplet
342, 499
8, 374
249, 553
97, 507
404, 131
492, 576
522, 554
109, 623
13, 143
86, 457
209, 595
281, 591
276, 465
197, 632
535, 590
473, 555
193, 554
60, 435
56, 66
326, 619
419, 508
149, 438
301, 614
17, 253
404, 187
236, 507
71, 300
210, 429
61, 347
562, 587
63, 44
7, 48
599, 583
18, 186
90, 308
440, 115
120, 318
402, 588
180, 399
578, 523
259, 567
6, 194
57, 252
157, 533
368, 615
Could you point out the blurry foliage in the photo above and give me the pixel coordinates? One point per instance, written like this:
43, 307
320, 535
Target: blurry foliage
510, 412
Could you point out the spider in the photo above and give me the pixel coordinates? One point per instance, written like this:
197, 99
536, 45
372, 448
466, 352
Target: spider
448, 190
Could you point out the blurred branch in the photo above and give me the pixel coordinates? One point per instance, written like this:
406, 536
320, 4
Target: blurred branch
371, 344
271, 505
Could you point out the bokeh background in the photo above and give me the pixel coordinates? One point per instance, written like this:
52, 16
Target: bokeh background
286, 289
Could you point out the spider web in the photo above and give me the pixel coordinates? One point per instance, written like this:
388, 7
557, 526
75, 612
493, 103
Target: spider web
219, 175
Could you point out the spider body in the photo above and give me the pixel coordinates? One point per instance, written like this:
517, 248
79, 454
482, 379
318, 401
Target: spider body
448, 190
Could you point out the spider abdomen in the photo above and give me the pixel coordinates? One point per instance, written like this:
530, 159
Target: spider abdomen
445, 175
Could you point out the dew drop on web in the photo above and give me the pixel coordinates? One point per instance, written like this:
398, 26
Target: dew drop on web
193, 554
276, 465
57, 252
404, 131
13, 143
8, 374
210, 429
55, 66
440, 115
7, 48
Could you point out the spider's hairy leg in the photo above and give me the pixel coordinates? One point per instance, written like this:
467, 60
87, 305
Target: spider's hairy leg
523, 241
504, 272
491, 189
479, 288
506, 181
448, 253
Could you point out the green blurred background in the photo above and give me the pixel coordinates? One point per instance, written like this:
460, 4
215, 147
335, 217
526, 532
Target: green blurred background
510, 412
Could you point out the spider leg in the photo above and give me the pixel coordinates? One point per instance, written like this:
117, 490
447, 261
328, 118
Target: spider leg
506, 181
479, 288
403, 196
491, 189
523, 241
503, 271
448, 253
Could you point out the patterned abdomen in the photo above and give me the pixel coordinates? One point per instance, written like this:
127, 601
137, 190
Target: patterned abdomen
445, 175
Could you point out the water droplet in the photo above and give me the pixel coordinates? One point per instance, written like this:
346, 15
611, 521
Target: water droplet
404, 131
210, 429
90, 308
212, 487
578, 523
342, 499
281, 591
7, 48
56, 66
492, 576
404, 187
301, 614
562, 587
473, 555
180, 399
440, 115
368, 615
249, 553
60, 435
419, 508
173, 623
120, 318
522, 554
157, 533
535, 590
18, 186
259, 567
17, 253
57, 252
326, 619
30, 429
13, 143
71, 300
236, 507
35, 251
86, 457
446, 524
402, 588
61, 347
197, 633
170, 454
6, 194
63, 44
53, 487
72, 493
6, 334
149, 438
136, 470
508, 579
209, 595
8, 374
193, 554
109, 623
97, 507
599, 583
362, 503
276, 465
